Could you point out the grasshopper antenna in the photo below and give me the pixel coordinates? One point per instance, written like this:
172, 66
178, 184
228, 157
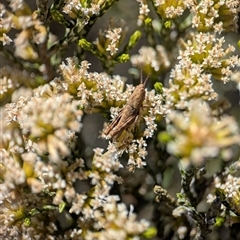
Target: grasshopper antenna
146, 80
144, 83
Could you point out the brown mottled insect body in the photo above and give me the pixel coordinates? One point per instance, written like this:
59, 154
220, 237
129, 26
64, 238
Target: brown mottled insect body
128, 113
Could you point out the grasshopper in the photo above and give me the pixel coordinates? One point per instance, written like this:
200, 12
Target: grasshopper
128, 114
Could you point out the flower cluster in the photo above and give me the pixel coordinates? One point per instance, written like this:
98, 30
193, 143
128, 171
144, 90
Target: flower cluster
6, 85
202, 58
117, 223
94, 90
151, 61
108, 41
227, 187
231, 192
38, 128
215, 15
198, 136
84, 10
13, 81
12, 173
48, 124
171, 10
31, 29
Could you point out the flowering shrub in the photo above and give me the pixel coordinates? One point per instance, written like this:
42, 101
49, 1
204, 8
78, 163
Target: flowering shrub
171, 172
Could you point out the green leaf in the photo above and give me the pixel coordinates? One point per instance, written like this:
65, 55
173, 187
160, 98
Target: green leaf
27, 221
164, 137
61, 207
219, 221
158, 87
83, 43
58, 17
148, 22
150, 233
49, 207
123, 58
134, 39
168, 24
